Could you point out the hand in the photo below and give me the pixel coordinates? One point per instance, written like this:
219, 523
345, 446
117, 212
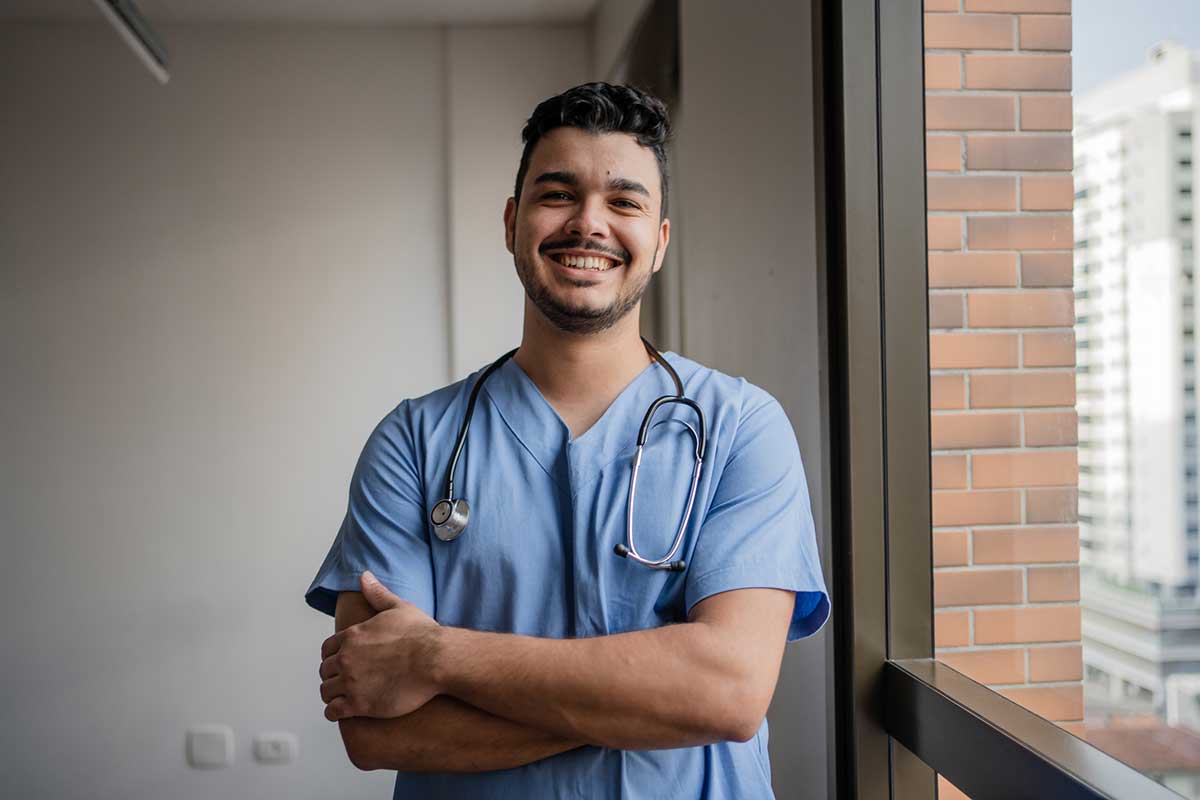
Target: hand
381, 667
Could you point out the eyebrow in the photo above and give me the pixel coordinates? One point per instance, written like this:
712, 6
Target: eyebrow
570, 179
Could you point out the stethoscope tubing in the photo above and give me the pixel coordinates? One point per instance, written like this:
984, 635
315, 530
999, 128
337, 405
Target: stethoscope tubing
454, 514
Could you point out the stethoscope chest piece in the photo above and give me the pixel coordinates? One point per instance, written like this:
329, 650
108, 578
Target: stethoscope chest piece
449, 518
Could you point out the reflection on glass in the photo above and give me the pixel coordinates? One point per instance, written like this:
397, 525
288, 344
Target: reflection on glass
1136, 389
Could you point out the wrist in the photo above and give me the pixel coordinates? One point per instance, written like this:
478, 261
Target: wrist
439, 661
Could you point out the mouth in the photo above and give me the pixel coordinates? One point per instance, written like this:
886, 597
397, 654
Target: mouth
585, 263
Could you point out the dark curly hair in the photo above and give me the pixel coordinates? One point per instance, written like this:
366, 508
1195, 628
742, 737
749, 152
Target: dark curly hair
601, 108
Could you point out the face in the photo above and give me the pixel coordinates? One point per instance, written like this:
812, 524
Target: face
587, 234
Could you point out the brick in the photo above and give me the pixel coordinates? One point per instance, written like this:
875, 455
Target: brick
972, 350
947, 392
945, 310
948, 791
1049, 702
1051, 505
943, 71
1056, 663
1046, 112
1051, 232
1014, 152
1021, 6
976, 508
1053, 584
943, 153
976, 587
950, 549
1051, 349
1047, 193
945, 232
971, 193
1034, 468
1017, 72
1023, 309
949, 472
973, 32
1031, 624
1028, 545
964, 431
1051, 428
1005, 665
941, 5
954, 112
1045, 32
972, 270
951, 628
1022, 390
1047, 269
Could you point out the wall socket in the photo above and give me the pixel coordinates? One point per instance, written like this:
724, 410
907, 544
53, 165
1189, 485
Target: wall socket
210, 746
276, 747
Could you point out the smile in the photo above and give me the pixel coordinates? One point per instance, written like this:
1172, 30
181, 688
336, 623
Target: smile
590, 263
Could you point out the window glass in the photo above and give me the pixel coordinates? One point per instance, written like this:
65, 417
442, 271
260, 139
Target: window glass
1066, 528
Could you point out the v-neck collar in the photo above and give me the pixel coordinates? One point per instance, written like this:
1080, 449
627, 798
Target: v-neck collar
545, 435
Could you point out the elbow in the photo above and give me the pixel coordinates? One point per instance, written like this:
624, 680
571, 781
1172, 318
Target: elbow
745, 713
743, 727
359, 748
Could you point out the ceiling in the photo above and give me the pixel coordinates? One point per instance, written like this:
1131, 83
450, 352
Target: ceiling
342, 12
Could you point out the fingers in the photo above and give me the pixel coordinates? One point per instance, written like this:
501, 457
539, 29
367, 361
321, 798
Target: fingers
337, 710
330, 667
332, 689
331, 645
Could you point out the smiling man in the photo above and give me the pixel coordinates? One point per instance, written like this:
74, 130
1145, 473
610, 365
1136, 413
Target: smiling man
551, 637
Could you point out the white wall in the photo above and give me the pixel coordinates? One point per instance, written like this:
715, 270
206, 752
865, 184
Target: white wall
751, 288
488, 109
613, 25
211, 292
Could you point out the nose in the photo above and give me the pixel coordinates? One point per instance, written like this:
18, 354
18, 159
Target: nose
588, 221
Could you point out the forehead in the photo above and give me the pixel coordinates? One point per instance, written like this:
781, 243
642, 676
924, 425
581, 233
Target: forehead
594, 158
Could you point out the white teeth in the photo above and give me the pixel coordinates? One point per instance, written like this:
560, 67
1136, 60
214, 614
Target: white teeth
588, 262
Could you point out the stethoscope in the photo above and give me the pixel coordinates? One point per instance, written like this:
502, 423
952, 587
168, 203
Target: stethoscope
450, 516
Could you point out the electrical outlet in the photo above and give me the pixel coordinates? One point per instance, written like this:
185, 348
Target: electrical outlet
210, 746
276, 747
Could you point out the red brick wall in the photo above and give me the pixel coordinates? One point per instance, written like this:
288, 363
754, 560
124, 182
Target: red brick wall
1002, 349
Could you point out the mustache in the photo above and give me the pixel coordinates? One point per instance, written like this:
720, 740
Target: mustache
622, 256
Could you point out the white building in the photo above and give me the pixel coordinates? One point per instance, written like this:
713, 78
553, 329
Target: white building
1136, 383
1135, 321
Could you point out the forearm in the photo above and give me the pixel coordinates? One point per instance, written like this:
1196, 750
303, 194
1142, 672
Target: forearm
447, 735
676, 686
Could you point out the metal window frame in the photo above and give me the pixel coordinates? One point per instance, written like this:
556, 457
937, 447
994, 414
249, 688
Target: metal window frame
898, 714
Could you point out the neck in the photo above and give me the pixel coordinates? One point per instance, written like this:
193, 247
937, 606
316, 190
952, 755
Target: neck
572, 367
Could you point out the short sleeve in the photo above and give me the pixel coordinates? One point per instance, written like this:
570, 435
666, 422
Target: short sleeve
384, 529
759, 529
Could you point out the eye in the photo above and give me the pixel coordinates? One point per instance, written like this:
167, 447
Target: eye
628, 203
556, 196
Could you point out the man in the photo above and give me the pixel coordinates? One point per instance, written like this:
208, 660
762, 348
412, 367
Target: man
524, 658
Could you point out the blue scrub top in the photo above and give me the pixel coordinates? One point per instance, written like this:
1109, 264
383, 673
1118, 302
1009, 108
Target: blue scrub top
537, 557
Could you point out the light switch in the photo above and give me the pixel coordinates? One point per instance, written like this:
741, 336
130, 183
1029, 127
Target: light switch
210, 746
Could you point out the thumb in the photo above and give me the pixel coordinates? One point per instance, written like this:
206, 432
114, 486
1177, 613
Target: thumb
377, 595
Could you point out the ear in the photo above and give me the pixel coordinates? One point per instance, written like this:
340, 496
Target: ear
664, 237
510, 224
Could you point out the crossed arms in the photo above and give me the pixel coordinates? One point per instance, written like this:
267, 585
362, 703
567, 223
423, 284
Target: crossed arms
502, 700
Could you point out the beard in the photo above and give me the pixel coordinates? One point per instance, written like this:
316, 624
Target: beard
576, 318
